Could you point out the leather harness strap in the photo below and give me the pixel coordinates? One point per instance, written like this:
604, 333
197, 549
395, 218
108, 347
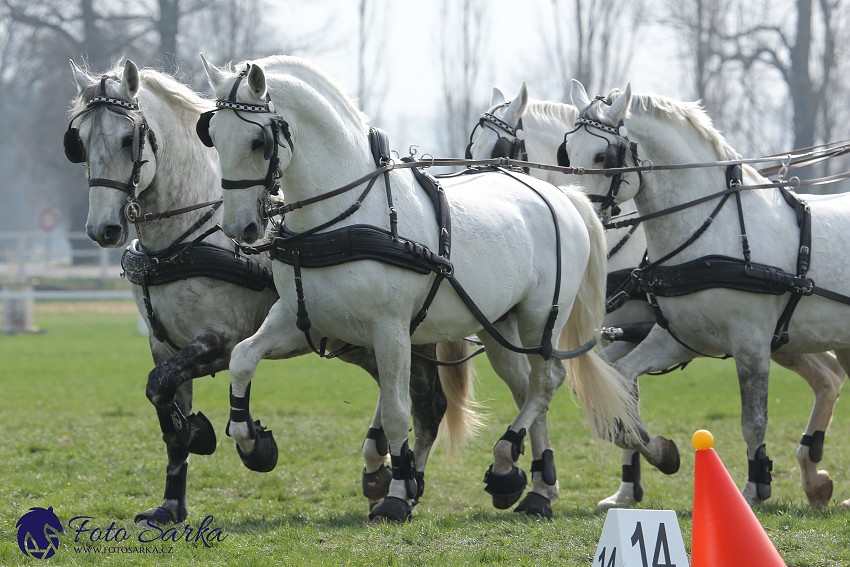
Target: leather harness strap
320, 249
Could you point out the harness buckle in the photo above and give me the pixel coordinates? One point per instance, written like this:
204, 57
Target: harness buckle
132, 210
611, 333
807, 288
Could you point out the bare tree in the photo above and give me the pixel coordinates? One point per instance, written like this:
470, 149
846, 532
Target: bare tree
37, 37
462, 29
745, 50
592, 41
372, 76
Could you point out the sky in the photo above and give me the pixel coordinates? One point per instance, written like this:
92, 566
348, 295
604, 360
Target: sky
412, 98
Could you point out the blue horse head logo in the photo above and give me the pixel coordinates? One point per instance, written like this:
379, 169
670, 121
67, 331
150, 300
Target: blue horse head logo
38, 533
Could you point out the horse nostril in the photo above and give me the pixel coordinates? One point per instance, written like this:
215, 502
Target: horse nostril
112, 233
251, 232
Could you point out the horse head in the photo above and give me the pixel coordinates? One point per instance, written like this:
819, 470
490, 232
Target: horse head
254, 145
109, 134
600, 140
499, 130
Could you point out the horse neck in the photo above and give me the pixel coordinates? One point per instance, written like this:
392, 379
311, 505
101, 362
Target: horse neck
330, 151
187, 174
674, 143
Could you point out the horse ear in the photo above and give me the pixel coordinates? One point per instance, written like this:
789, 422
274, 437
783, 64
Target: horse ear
80, 77
497, 97
214, 75
621, 105
579, 95
517, 107
257, 81
130, 81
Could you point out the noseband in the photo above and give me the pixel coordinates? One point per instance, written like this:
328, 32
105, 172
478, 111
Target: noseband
504, 148
76, 153
272, 132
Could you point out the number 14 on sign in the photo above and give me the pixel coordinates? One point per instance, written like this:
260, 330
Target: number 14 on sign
644, 538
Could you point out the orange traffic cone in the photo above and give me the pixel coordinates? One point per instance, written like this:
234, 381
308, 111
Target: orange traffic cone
724, 532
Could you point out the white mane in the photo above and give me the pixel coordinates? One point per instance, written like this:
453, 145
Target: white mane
164, 86
550, 112
313, 78
690, 113
173, 92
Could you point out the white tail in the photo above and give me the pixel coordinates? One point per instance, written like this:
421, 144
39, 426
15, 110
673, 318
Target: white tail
605, 395
460, 421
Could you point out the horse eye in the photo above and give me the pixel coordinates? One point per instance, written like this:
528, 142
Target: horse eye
257, 143
599, 158
127, 141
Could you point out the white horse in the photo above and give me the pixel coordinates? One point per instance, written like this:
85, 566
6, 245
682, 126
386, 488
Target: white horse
197, 294
718, 292
530, 256
537, 129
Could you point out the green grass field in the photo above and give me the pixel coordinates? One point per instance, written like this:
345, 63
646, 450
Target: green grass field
80, 436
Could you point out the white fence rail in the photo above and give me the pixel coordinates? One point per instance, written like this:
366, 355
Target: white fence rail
29, 258
34, 254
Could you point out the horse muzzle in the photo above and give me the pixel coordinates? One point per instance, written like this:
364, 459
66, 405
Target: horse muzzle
108, 235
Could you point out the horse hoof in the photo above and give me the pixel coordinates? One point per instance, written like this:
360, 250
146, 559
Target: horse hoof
820, 494
755, 493
202, 440
264, 456
670, 462
391, 509
158, 515
614, 502
505, 488
535, 505
376, 485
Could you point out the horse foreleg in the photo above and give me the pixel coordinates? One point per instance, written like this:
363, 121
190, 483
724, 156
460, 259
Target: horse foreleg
174, 508
276, 338
753, 372
206, 354
825, 376
428, 405
376, 476
392, 353
377, 473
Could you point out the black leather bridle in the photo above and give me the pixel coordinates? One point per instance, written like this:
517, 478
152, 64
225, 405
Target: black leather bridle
615, 157
76, 153
504, 148
272, 132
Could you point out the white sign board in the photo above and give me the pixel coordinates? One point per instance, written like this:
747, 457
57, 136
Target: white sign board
641, 538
